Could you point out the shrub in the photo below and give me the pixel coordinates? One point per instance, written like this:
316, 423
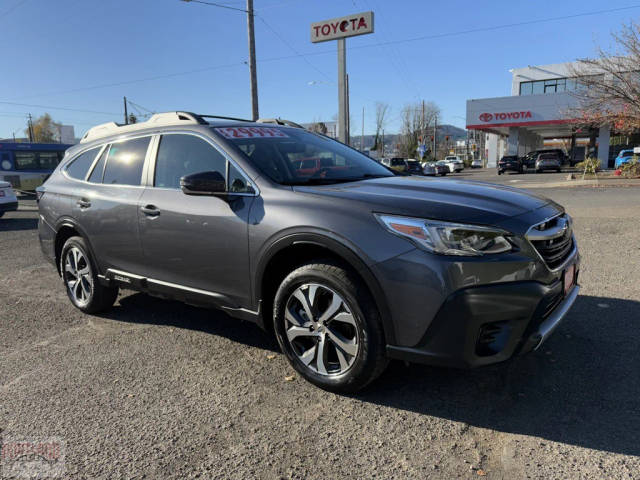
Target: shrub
631, 168
589, 165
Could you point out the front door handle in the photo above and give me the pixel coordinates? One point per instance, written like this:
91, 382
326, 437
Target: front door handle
83, 203
150, 210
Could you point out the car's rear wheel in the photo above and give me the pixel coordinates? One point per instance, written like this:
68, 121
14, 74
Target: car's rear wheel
80, 278
328, 327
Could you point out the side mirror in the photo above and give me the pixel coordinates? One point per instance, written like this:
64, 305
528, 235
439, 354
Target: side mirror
203, 183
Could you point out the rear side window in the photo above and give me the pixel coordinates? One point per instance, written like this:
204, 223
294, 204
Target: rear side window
180, 155
79, 167
98, 170
125, 162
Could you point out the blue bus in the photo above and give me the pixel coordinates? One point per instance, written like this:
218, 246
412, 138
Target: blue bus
27, 165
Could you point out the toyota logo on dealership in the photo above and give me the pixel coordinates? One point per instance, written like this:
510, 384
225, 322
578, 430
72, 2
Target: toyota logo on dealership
486, 117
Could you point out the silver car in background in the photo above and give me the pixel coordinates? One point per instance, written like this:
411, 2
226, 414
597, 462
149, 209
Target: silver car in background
548, 161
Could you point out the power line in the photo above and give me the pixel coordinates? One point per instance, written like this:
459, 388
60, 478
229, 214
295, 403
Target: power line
11, 9
291, 47
211, 4
49, 107
139, 80
326, 52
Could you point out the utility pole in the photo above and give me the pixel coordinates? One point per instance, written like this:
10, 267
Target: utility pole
348, 120
126, 116
343, 128
435, 137
30, 129
362, 136
252, 62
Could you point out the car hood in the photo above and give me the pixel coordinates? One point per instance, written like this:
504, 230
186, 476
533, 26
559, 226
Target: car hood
437, 199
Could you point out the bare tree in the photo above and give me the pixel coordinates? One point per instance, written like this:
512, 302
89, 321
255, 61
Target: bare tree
382, 110
319, 127
608, 86
416, 119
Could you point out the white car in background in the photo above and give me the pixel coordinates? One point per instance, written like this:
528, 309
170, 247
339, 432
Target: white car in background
8, 200
458, 164
477, 163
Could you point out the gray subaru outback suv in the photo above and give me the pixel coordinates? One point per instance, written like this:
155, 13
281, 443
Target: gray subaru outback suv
348, 264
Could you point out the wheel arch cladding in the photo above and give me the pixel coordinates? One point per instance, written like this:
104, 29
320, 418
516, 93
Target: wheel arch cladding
65, 230
288, 253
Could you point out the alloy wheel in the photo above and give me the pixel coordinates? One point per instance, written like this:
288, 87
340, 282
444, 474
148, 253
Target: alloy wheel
321, 329
77, 276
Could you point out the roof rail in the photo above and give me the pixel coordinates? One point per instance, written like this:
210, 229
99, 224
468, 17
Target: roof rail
226, 118
280, 121
156, 120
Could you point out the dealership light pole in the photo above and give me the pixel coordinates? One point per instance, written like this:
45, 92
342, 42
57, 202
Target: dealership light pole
339, 29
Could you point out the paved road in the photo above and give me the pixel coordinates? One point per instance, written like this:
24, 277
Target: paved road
157, 389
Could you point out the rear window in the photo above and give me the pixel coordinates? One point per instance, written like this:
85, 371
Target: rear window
125, 162
79, 167
397, 161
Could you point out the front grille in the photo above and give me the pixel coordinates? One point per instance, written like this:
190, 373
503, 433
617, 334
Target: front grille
553, 239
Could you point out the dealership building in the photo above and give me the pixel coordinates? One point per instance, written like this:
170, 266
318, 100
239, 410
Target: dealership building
538, 114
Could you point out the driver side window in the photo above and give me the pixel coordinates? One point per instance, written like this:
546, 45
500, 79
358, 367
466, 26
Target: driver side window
180, 155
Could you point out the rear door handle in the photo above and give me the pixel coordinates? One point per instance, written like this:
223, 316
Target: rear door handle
150, 210
82, 203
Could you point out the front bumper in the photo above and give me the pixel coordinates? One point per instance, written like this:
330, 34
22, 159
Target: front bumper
487, 323
8, 207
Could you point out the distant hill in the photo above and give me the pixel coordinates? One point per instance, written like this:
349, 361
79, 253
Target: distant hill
454, 133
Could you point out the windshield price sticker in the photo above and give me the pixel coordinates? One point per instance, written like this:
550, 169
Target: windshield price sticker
251, 132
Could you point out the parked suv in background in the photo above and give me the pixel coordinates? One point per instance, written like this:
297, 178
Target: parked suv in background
548, 161
512, 163
398, 164
414, 167
349, 265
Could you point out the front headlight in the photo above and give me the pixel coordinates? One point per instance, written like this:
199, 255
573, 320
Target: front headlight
448, 238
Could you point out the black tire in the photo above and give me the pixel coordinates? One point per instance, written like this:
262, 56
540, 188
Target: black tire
499, 172
99, 297
369, 361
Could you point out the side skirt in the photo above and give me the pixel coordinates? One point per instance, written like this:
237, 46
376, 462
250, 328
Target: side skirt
182, 293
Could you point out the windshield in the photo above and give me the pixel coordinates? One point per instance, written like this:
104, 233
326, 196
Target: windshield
291, 156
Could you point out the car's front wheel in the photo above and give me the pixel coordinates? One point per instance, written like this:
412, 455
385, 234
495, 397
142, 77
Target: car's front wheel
81, 280
328, 327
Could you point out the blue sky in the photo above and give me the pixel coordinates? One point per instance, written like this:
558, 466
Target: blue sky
79, 54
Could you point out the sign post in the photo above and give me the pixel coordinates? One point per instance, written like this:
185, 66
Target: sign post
339, 29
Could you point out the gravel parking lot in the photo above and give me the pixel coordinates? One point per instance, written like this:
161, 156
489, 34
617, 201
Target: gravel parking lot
157, 389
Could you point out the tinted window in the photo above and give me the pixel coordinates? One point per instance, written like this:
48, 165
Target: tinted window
26, 161
98, 170
180, 155
48, 160
237, 181
80, 166
125, 162
279, 151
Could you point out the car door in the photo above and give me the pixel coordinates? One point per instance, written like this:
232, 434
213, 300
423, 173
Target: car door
106, 206
195, 241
